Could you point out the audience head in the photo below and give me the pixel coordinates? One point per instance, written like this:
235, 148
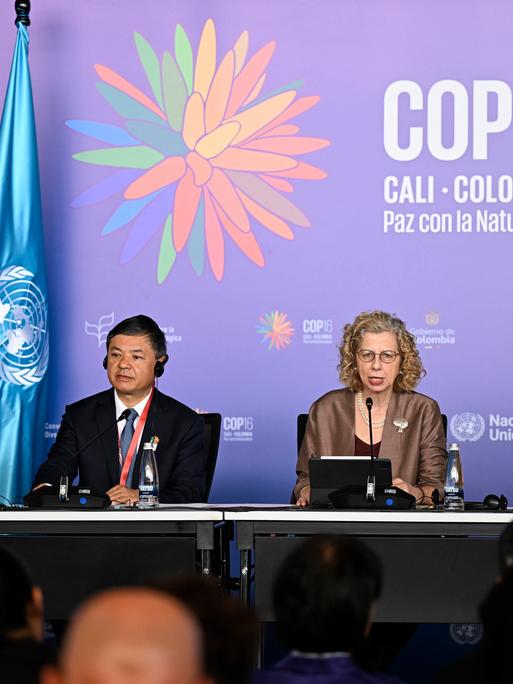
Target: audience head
230, 629
505, 549
131, 636
21, 604
324, 594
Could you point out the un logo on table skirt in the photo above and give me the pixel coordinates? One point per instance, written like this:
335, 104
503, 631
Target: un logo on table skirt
23, 328
467, 427
468, 634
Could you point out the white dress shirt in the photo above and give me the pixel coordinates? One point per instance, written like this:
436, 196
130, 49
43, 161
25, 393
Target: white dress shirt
120, 407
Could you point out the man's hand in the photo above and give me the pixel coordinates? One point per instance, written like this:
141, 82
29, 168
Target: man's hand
304, 497
43, 484
123, 495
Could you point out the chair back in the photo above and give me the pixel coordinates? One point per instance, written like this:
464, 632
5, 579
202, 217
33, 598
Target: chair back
211, 435
301, 427
444, 423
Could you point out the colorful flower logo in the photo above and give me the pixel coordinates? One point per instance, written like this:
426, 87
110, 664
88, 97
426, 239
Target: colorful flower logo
276, 329
204, 157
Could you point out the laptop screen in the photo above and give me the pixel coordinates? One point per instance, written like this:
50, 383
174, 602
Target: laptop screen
329, 473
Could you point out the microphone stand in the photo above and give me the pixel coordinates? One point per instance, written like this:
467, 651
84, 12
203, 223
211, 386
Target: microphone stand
64, 483
122, 416
371, 479
367, 497
63, 489
63, 496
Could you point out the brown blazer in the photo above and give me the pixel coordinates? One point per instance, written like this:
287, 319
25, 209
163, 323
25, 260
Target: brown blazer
418, 454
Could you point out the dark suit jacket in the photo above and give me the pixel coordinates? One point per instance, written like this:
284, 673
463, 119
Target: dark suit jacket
418, 453
23, 659
180, 454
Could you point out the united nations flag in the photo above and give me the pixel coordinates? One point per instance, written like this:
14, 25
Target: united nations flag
23, 301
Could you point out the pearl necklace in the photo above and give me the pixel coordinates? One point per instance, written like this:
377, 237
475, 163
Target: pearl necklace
363, 411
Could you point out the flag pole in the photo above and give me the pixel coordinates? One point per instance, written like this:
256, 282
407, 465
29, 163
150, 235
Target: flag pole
22, 9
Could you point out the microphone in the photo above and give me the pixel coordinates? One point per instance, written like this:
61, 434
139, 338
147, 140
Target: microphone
72, 497
371, 480
387, 497
63, 491
122, 416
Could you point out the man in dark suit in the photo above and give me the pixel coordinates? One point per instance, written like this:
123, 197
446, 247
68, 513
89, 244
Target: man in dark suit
136, 355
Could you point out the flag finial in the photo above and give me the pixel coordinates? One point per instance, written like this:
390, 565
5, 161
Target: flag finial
22, 8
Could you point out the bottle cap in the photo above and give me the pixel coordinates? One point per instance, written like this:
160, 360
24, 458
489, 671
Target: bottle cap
453, 446
148, 445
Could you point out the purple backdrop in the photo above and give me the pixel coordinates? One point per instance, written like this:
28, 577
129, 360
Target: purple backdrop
416, 93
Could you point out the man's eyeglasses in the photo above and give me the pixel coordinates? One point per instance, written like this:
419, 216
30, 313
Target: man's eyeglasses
367, 355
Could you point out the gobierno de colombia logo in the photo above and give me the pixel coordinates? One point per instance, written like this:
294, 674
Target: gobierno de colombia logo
203, 156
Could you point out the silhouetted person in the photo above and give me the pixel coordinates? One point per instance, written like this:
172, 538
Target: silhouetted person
505, 550
131, 636
493, 660
230, 629
22, 651
324, 596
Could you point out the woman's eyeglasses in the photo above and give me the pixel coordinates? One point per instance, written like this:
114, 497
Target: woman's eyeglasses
367, 355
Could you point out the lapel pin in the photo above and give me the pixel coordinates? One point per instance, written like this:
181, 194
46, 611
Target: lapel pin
401, 424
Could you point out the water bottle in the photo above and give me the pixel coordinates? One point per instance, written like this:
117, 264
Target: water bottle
453, 489
148, 478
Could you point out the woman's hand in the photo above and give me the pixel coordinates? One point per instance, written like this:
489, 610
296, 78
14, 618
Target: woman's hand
304, 497
422, 495
414, 491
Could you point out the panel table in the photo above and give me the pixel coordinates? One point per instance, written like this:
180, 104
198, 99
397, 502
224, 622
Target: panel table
71, 554
437, 565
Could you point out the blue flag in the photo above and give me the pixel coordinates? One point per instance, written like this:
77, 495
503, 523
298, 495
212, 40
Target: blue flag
23, 299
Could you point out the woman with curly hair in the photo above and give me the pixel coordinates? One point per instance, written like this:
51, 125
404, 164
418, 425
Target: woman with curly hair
378, 359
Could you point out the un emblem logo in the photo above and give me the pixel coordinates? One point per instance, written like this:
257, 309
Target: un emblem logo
467, 427
466, 634
23, 328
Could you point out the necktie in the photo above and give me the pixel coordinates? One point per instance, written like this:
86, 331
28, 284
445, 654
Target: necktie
126, 435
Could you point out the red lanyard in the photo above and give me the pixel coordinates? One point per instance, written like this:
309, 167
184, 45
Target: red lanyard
135, 440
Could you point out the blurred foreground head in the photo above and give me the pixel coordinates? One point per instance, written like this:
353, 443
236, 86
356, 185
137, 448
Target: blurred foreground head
21, 603
230, 629
131, 636
324, 594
